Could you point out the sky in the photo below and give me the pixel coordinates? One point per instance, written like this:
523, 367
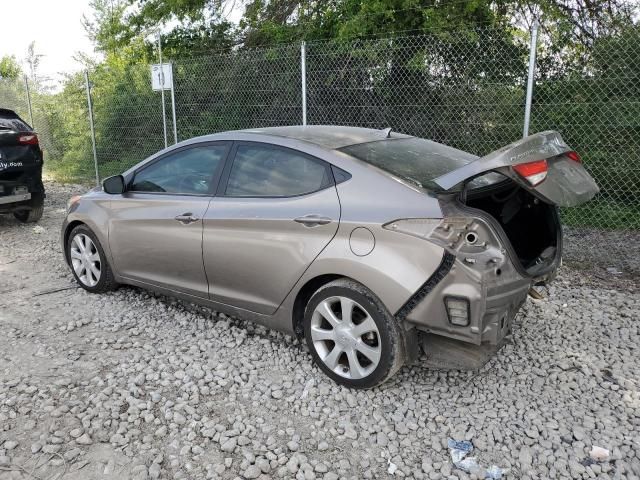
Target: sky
55, 26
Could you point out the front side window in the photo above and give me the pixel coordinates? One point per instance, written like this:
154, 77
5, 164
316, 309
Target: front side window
190, 171
265, 171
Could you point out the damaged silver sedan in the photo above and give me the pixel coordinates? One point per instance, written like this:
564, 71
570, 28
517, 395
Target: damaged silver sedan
368, 244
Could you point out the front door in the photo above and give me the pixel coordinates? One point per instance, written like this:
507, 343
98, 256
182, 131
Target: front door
155, 230
276, 211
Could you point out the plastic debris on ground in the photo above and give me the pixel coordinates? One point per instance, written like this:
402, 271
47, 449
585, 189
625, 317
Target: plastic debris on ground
460, 449
599, 454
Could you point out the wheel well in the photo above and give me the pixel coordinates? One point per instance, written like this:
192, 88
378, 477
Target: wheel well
67, 232
303, 297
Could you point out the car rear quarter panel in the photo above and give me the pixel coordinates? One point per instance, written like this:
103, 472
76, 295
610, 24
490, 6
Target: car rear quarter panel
399, 264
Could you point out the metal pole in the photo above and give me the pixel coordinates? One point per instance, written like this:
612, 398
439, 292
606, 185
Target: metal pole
532, 71
26, 87
164, 116
93, 132
173, 107
303, 71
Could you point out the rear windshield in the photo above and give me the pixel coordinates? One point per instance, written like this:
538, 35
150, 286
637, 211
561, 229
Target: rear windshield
9, 121
415, 160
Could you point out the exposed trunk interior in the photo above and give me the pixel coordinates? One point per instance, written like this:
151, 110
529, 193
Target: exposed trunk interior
531, 225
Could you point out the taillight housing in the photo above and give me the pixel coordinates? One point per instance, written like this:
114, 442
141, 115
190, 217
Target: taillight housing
574, 156
28, 139
532, 172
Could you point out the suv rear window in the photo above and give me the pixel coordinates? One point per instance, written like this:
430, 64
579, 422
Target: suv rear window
415, 160
11, 121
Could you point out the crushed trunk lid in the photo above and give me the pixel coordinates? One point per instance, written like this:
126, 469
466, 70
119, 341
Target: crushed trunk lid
565, 183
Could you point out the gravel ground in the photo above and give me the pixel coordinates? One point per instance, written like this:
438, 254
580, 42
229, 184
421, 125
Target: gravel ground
131, 385
621, 257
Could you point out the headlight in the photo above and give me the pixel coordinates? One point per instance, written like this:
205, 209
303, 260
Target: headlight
73, 201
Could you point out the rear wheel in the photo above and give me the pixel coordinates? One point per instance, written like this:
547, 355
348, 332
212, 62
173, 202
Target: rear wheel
30, 216
88, 261
352, 336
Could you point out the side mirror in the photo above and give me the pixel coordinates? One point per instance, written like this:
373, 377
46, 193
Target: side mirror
114, 185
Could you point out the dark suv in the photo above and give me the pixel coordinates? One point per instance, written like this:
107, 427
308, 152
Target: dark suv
21, 189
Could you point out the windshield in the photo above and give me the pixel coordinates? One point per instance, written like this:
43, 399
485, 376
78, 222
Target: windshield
416, 160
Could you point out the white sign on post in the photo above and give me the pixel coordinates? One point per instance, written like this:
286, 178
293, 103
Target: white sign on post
161, 75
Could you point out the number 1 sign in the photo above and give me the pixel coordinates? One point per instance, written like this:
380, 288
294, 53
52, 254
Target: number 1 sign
161, 75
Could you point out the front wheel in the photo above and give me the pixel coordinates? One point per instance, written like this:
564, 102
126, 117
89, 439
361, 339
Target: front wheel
352, 336
88, 261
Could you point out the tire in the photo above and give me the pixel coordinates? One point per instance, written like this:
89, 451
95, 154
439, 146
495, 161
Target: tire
370, 346
90, 281
30, 216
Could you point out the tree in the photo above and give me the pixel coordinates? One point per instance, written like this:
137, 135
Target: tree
107, 27
33, 60
286, 20
187, 26
9, 67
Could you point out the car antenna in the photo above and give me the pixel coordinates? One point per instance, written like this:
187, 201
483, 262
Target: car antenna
387, 132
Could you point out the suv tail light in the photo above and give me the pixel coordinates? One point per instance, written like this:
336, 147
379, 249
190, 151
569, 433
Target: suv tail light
29, 139
532, 172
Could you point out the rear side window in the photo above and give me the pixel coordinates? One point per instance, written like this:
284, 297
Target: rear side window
266, 171
190, 171
413, 159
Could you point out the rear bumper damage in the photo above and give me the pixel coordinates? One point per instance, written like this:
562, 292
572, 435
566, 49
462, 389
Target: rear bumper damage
491, 304
465, 311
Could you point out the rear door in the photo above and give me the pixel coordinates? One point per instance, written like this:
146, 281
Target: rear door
276, 209
155, 227
542, 163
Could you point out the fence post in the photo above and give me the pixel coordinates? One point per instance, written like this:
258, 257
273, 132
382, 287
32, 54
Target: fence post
173, 107
530, 79
303, 74
164, 115
26, 87
93, 132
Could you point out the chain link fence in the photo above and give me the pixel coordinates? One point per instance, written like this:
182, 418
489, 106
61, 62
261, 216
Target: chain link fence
466, 89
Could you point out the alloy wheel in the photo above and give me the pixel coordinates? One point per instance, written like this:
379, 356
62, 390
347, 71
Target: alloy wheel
85, 260
345, 337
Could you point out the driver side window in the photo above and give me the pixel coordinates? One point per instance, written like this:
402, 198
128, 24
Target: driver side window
190, 171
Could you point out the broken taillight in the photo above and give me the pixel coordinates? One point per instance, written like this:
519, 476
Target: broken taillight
532, 172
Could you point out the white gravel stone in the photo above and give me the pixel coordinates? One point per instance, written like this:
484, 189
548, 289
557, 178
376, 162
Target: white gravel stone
84, 440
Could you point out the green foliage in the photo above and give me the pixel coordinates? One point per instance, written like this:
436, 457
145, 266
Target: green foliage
9, 67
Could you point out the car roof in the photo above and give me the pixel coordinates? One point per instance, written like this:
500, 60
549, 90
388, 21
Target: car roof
5, 112
12, 121
327, 136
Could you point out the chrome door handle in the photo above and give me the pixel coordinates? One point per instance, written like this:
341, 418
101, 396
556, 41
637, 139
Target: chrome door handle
313, 220
187, 218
